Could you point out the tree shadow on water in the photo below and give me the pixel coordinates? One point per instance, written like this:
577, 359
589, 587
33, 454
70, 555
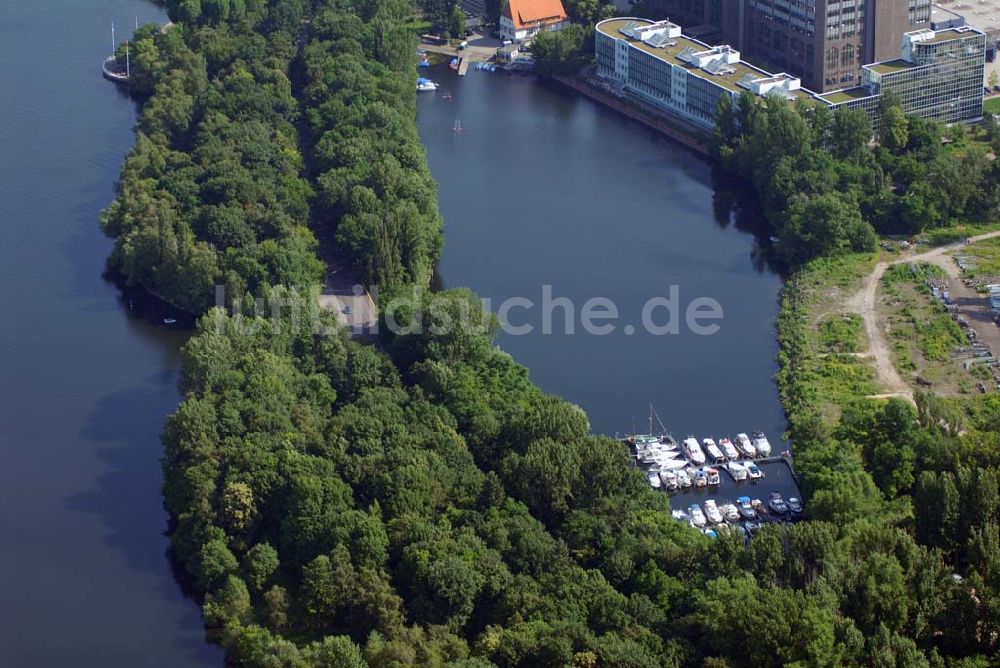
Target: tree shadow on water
125, 425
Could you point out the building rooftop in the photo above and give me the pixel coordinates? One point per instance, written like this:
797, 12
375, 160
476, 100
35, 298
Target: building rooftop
981, 14
948, 34
529, 13
846, 95
890, 66
677, 49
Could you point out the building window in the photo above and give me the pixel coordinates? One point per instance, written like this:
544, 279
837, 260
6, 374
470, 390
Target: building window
832, 57
847, 55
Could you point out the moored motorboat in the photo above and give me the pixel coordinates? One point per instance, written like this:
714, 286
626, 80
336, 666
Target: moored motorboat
761, 443
697, 517
730, 512
753, 471
693, 451
744, 445
710, 533
654, 479
759, 506
794, 506
714, 453
728, 449
713, 475
753, 526
777, 505
745, 508
712, 512
669, 479
737, 470
426, 84
683, 479
700, 478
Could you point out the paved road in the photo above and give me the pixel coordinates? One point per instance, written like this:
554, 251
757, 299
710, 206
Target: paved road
863, 302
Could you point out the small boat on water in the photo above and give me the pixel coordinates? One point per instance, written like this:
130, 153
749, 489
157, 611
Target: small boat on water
671, 464
681, 516
753, 471
169, 321
683, 479
728, 449
712, 512
745, 508
710, 533
730, 512
669, 479
744, 445
714, 453
426, 84
713, 476
693, 451
457, 127
654, 479
777, 505
700, 478
759, 506
794, 506
737, 470
697, 517
761, 443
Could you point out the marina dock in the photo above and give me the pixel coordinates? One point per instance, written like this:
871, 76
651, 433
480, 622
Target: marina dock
463, 66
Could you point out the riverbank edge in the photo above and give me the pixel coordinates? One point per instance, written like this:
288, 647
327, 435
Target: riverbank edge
689, 137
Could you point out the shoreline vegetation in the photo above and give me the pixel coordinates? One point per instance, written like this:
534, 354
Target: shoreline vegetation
420, 502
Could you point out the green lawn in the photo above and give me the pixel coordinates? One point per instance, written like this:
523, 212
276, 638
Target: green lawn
992, 105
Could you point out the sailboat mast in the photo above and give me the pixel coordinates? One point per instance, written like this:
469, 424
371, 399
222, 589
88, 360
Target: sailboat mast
113, 44
127, 68
650, 432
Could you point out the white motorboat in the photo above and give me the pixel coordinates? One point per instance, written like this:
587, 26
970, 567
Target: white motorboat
654, 479
753, 471
713, 450
761, 443
426, 84
728, 449
683, 479
693, 451
700, 478
672, 464
730, 512
697, 517
669, 479
712, 512
737, 470
745, 446
713, 475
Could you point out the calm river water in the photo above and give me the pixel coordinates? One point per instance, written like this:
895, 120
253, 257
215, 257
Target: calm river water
543, 187
85, 382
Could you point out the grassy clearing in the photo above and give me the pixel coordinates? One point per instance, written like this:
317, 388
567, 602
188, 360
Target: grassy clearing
822, 366
921, 331
992, 105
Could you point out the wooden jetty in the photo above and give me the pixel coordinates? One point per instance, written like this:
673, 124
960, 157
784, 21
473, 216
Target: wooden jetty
463, 66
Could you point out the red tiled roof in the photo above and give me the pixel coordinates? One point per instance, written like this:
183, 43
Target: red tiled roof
528, 13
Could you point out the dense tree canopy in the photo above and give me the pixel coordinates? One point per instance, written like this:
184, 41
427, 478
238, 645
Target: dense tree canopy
420, 501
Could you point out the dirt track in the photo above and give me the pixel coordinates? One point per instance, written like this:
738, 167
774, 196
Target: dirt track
863, 303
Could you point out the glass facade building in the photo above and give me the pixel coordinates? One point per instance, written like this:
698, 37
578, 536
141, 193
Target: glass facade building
938, 76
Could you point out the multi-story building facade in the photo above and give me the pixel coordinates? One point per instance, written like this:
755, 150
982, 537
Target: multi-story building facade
939, 74
823, 42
